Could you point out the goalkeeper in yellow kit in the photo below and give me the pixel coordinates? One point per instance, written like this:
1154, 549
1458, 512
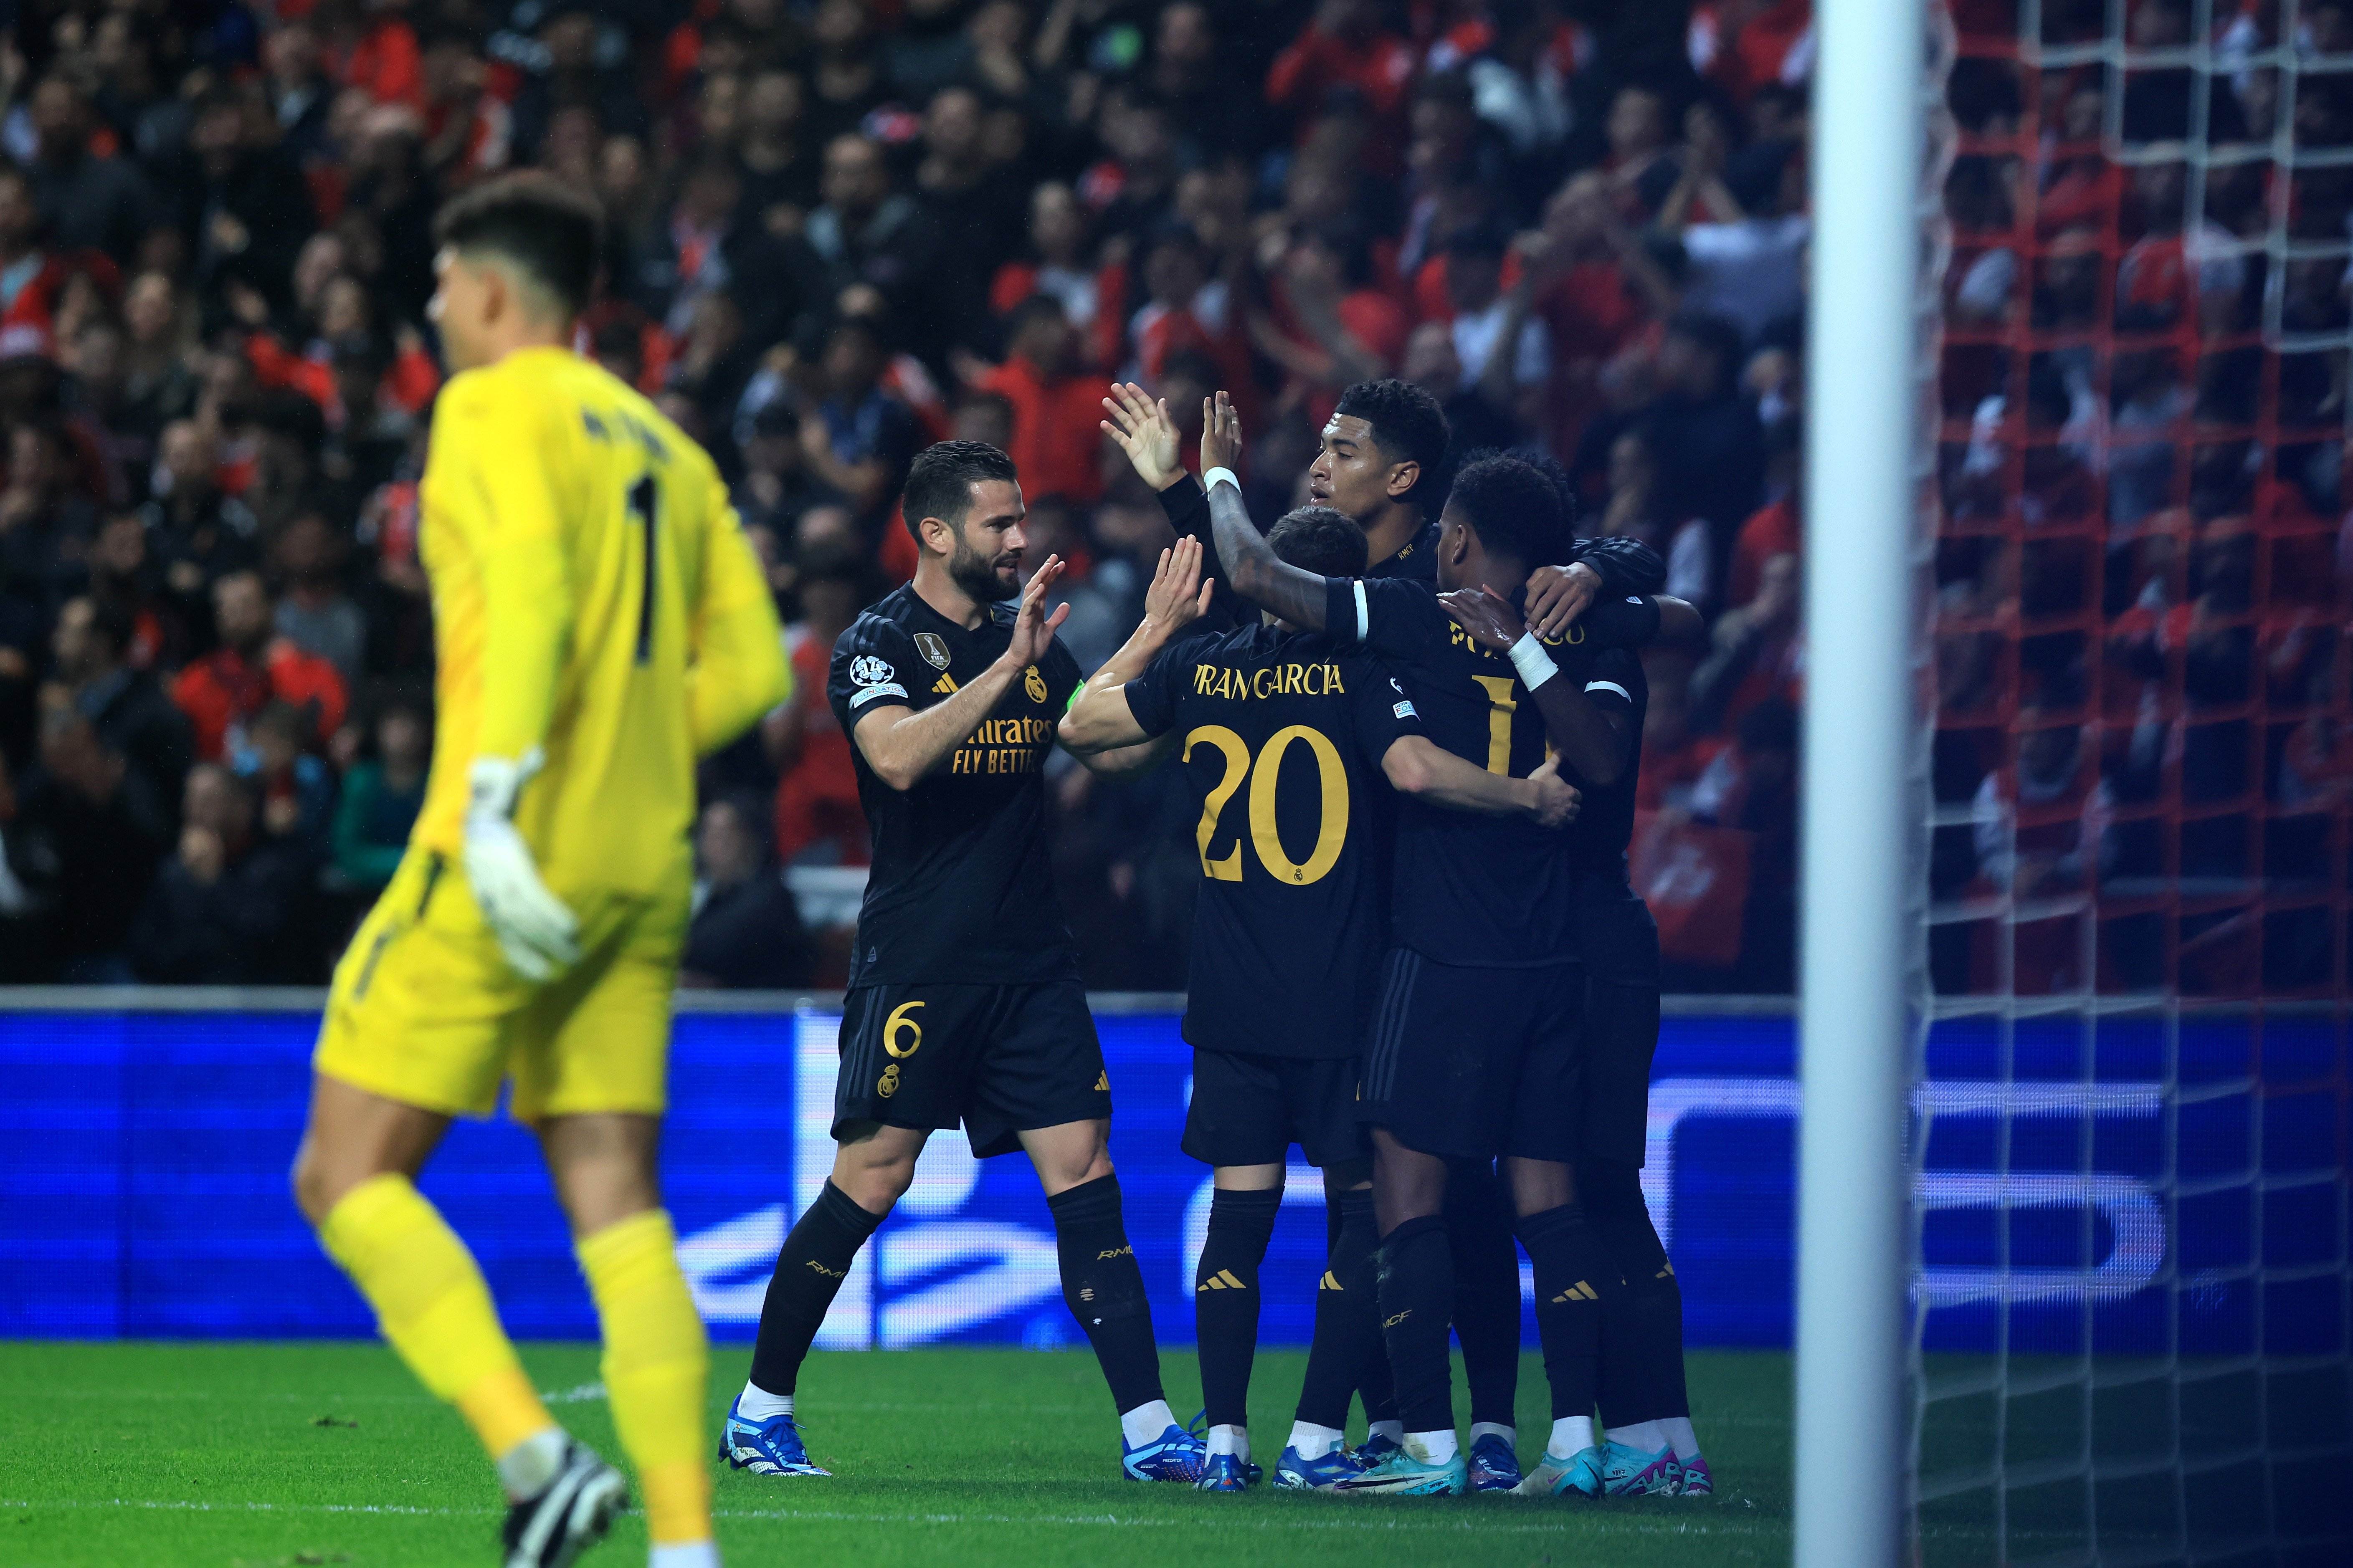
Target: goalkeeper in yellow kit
600, 623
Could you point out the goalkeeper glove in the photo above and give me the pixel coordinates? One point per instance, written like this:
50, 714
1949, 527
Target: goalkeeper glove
533, 928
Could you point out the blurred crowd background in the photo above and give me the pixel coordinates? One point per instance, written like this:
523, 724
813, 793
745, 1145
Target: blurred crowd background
842, 230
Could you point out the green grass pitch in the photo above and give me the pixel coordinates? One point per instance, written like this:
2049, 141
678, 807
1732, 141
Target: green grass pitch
237, 1456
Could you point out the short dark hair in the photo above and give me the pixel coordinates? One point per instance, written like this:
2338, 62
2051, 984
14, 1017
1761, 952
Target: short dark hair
1407, 424
535, 220
1319, 540
1515, 508
940, 481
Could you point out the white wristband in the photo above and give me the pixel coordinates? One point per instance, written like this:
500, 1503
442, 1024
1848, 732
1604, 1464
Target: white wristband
1209, 478
1535, 664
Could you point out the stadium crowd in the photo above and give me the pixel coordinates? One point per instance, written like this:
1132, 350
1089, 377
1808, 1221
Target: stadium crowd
839, 231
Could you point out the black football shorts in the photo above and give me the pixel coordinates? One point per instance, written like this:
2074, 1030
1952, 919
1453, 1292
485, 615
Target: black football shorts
1620, 942
1473, 1063
1250, 1110
1002, 1059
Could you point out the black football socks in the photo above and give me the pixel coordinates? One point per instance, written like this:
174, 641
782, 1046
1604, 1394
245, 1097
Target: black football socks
809, 1271
1225, 1299
1574, 1275
1642, 1327
1347, 1344
1417, 1297
1486, 1290
1105, 1288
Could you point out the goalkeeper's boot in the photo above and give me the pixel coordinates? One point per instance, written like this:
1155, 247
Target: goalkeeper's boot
1175, 1455
1493, 1466
1557, 1476
1404, 1475
1629, 1472
568, 1516
770, 1448
1696, 1481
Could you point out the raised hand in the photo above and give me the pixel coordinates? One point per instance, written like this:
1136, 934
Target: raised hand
1557, 803
1145, 432
1487, 615
1558, 595
1033, 628
1222, 434
1177, 596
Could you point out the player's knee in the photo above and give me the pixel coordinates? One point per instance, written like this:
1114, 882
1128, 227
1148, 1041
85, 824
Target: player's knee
318, 1187
876, 1187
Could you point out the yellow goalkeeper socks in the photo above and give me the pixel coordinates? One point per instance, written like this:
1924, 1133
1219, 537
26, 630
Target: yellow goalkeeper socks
432, 1305
656, 1366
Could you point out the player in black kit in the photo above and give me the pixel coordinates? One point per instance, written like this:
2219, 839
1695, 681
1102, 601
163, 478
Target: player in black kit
964, 1002
1379, 462
1288, 739
1650, 1446
1472, 1052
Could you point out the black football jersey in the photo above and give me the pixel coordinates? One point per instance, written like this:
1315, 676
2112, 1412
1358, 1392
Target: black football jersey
1613, 679
1284, 733
962, 890
1474, 889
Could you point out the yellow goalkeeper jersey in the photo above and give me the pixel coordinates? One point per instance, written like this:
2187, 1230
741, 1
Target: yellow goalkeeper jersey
593, 596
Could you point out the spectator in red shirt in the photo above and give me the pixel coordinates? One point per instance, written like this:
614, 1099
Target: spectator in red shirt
819, 819
222, 691
1344, 48
1056, 443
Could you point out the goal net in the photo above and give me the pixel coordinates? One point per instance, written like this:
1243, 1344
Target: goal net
2130, 1302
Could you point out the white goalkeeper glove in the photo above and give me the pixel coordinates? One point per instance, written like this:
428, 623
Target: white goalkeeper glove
534, 929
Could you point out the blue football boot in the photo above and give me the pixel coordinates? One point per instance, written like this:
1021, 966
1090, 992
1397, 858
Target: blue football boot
1175, 1455
770, 1448
1293, 1474
1559, 1475
1629, 1472
1403, 1475
1227, 1473
1375, 1449
1493, 1466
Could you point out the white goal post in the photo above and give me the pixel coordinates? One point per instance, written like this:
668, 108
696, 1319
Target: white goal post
1860, 867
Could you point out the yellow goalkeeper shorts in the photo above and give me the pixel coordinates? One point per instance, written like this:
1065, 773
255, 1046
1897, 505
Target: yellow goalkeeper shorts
425, 1009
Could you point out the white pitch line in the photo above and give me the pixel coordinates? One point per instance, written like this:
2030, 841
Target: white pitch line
1641, 1525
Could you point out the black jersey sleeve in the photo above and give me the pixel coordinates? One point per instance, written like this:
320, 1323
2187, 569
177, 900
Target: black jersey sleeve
1623, 620
1612, 679
873, 664
1151, 697
1187, 506
1391, 616
1380, 706
1624, 565
1063, 676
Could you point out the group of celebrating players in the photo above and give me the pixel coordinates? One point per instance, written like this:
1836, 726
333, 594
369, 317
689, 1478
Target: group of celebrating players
1411, 714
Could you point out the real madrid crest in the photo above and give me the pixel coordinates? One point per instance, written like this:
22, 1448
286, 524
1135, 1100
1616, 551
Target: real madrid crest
1034, 684
935, 650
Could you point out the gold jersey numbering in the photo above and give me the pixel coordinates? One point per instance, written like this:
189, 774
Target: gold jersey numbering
1263, 772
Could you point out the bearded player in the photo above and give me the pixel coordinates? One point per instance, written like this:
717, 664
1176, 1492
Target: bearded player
963, 1004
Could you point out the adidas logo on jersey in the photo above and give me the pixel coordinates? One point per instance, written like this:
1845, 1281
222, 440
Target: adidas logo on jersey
946, 686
